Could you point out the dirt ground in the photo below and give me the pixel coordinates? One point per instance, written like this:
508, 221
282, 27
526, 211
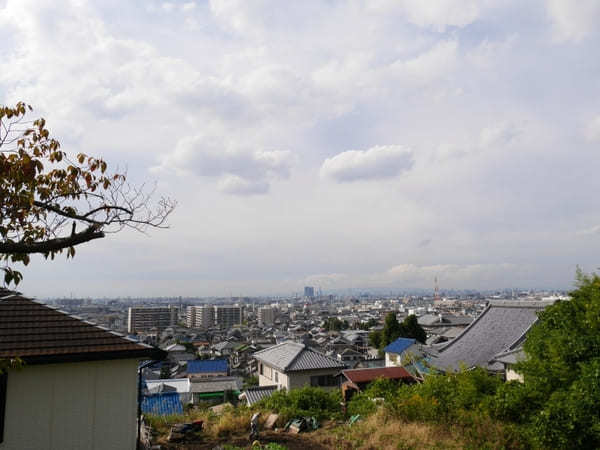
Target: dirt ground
290, 440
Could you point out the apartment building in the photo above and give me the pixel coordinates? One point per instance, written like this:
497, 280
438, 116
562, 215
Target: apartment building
228, 316
266, 316
200, 316
222, 316
148, 318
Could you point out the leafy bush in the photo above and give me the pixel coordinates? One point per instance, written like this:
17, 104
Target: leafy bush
361, 404
306, 401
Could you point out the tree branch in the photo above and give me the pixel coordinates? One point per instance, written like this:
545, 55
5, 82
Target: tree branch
51, 245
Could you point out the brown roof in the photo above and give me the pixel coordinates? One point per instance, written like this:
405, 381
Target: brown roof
366, 375
39, 334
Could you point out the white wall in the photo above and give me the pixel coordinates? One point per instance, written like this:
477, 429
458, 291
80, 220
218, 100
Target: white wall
292, 380
88, 405
512, 375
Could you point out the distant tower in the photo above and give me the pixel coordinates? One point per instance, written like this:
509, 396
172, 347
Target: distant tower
436, 295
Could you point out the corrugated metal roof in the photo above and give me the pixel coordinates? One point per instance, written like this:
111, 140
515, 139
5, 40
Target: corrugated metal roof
292, 356
366, 375
181, 385
217, 384
399, 345
256, 394
162, 404
207, 365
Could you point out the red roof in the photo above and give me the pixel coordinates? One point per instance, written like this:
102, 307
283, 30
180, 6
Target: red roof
366, 375
39, 334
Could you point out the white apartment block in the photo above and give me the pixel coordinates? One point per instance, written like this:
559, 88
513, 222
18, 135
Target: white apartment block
209, 316
200, 316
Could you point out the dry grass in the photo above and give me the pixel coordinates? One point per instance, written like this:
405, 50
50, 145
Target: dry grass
380, 432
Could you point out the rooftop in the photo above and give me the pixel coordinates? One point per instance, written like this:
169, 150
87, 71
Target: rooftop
256, 394
207, 366
293, 357
366, 375
399, 345
499, 328
39, 334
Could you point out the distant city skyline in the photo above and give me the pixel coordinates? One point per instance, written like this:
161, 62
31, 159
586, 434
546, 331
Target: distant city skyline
370, 145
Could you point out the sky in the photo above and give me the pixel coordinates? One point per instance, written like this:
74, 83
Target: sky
339, 144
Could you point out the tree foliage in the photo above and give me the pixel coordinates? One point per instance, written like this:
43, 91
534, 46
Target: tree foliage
392, 330
562, 371
335, 324
52, 201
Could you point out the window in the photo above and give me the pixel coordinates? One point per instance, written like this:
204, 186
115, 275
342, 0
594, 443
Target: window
3, 379
276, 377
260, 368
323, 380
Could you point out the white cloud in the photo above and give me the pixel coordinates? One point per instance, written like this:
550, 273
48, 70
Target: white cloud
592, 130
238, 170
574, 20
382, 161
236, 185
499, 134
410, 276
435, 14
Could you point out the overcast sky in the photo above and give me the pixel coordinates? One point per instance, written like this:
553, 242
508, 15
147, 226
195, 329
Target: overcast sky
357, 143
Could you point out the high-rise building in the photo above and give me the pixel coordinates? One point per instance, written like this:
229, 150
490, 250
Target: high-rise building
148, 318
309, 291
228, 316
266, 316
200, 316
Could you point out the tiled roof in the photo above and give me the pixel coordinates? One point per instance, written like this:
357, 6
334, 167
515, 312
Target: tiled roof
39, 334
501, 326
207, 366
256, 394
292, 356
366, 375
399, 345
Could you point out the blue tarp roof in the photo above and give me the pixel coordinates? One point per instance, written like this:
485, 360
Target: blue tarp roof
399, 345
207, 365
163, 404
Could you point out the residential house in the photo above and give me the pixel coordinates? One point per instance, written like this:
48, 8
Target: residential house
356, 380
292, 365
500, 328
215, 389
397, 351
255, 394
207, 368
78, 385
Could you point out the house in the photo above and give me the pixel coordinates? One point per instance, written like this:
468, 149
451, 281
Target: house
349, 357
292, 365
215, 389
181, 386
500, 328
206, 368
400, 349
356, 380
508, 359
78, 387
255, 394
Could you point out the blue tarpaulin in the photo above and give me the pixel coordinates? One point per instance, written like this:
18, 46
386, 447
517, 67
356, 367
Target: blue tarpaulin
163, 404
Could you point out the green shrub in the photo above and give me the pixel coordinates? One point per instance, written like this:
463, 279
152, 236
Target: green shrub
306, 401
